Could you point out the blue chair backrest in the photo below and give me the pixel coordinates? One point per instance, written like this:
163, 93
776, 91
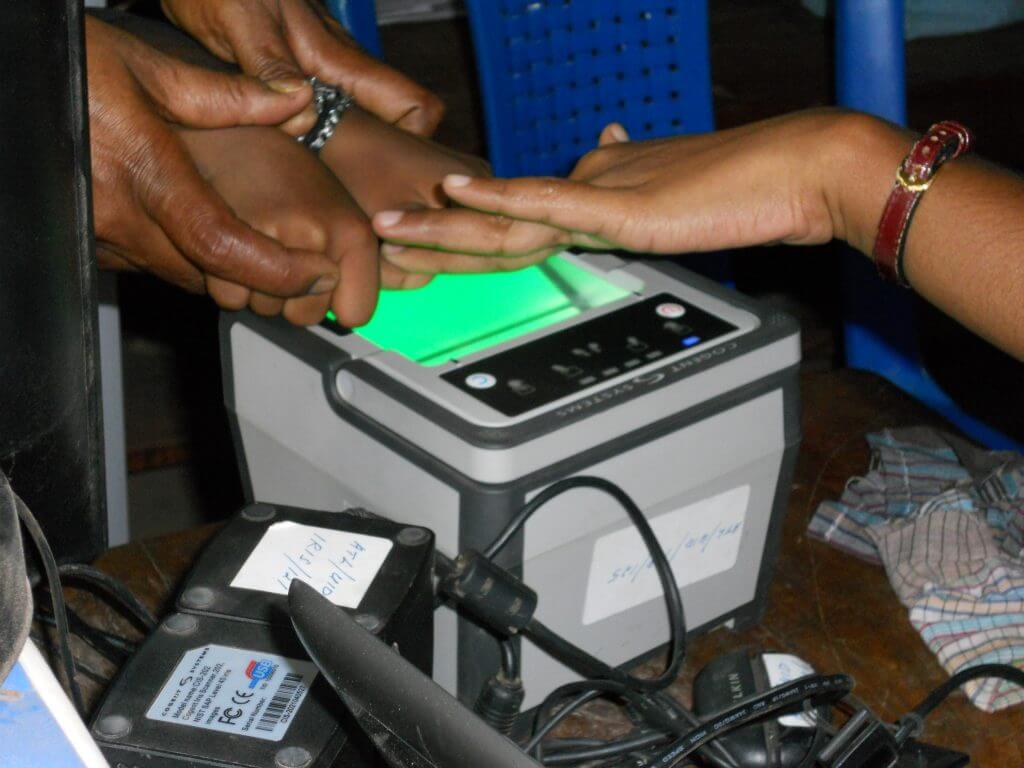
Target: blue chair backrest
359, 17
555, 72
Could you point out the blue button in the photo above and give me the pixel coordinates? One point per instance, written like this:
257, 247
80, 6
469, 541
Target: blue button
689, 341
480, 381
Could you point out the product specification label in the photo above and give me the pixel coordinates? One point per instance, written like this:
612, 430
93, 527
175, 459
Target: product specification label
341, 565
700, 540
232, 690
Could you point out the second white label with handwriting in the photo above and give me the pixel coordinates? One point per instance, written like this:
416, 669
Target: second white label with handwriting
700, 540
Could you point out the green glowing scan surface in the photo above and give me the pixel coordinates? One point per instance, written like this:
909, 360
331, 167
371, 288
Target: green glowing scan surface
456, 315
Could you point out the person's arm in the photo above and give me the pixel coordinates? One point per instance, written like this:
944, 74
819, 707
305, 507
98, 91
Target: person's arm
152, 208
282, 41
802, 179
965, 245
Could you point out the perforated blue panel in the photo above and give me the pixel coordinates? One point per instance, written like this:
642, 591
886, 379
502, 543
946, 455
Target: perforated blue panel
555, 72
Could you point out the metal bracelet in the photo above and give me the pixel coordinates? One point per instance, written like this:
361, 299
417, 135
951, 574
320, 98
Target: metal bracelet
330, 103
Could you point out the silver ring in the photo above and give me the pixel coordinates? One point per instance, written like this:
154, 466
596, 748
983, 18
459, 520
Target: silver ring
331, 103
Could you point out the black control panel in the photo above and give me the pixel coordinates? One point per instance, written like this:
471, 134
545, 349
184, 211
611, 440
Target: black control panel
552, 367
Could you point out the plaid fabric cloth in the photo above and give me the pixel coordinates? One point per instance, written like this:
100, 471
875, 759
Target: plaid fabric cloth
946, 520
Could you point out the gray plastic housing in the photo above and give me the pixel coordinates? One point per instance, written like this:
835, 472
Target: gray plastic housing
719, 421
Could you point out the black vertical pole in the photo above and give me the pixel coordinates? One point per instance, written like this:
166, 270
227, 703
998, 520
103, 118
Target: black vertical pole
50, 422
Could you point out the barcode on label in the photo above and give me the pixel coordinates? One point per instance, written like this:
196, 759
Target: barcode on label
279, 704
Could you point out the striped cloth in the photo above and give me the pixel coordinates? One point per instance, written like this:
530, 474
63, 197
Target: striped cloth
946, 520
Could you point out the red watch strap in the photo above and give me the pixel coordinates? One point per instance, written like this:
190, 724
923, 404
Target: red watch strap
943, 141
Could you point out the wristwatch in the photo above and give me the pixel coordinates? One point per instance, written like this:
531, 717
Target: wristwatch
943, 142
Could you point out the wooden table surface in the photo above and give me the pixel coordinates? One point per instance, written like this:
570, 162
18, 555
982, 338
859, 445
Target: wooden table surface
837, 612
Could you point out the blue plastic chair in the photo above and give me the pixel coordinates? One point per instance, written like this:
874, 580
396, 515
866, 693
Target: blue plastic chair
879, 331
359, 17
553, 73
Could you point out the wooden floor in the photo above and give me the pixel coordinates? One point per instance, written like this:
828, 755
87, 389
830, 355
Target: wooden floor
837, 612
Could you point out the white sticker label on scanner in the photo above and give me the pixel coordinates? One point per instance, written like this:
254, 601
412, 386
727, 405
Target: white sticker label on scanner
340, 565
784, 668
700, 540
231, 690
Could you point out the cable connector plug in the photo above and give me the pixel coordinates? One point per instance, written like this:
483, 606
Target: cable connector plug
863, 742
489, 593
499, 702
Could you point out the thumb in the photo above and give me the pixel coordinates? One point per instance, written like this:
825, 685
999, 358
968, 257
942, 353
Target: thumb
201, 98
613, 133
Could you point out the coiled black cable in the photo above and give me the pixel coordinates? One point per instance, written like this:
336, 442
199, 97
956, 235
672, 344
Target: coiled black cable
60, 616
116, 590
821, 688
602, 678
114, 648
568, 653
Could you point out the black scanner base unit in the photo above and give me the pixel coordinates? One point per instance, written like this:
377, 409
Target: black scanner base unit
225, 682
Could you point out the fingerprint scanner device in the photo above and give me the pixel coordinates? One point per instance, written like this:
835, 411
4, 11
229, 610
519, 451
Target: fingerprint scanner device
225, 680
461, 400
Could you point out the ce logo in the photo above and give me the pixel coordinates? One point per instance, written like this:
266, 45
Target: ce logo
649, 378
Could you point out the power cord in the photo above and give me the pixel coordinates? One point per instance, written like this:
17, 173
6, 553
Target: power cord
114, 648
497, 599
130, 605
60, 616
912, 723
817, 688
65, 620
563, 650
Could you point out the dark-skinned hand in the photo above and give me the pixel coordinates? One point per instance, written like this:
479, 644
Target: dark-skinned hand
276, 40
153, 210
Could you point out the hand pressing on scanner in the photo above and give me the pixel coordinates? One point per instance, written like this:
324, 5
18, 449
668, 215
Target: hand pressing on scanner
675, 195
803, 178
384, 168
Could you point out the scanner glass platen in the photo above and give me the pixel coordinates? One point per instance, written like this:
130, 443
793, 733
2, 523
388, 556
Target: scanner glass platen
456, 315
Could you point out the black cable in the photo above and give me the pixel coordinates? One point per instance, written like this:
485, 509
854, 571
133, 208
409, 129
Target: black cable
114, 589
910, 724
544, 722
571, 655
509, 659
616, 748
591, 667
60, 615
574, 743
534, 744
566, 652
817, 742
544, 712
715, 753
816, 687
115, 649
